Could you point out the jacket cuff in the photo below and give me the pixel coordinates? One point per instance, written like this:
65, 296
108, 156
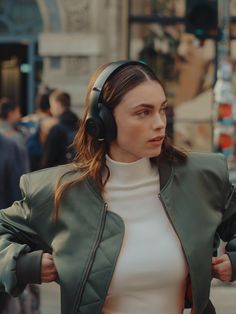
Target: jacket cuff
28, 268
232, 257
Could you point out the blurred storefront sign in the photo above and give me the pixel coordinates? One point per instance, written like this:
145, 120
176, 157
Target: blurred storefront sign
187, 62
224, 102
224, 113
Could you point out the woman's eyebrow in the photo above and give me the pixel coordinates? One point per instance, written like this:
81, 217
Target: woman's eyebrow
164, 102
150, 105
145, 105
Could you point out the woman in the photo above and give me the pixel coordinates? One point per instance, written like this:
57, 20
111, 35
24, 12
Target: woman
135, 221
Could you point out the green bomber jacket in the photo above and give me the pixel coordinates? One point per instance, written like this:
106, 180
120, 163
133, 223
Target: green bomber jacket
86, 240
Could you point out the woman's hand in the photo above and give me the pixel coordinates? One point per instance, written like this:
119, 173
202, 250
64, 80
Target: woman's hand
48, 269
222, 268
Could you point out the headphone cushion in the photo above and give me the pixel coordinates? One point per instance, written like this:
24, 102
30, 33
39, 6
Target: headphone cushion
109, 123
94, 127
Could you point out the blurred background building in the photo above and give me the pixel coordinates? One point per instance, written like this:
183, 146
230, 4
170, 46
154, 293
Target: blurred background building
59, 43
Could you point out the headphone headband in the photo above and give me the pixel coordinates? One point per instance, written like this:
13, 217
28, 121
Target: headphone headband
110, 70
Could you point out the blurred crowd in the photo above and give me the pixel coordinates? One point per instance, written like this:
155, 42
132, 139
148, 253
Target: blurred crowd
39, 140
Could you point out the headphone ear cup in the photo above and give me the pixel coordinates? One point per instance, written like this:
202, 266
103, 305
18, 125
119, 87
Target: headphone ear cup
109, 124
95, 127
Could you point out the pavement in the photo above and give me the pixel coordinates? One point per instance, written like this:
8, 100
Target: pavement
50, 298
223, 296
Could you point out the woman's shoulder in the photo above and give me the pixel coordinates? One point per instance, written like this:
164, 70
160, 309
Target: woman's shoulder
208, 162
51, 172
45, 180
205, 158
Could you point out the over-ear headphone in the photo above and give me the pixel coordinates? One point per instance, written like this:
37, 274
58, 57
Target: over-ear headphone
100, 123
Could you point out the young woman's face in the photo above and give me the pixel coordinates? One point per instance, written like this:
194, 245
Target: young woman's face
141, 122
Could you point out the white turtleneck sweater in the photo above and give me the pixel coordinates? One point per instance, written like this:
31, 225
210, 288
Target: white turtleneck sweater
151, 270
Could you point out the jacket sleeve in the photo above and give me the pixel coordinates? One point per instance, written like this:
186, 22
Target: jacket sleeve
227, 228
20, 247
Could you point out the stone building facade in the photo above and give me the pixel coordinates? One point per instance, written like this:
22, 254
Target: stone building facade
78, 36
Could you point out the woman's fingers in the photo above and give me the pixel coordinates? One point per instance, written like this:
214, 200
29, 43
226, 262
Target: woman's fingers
48, 268
222, 268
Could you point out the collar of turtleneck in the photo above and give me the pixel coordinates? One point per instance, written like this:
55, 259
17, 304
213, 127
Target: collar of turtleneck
131, 172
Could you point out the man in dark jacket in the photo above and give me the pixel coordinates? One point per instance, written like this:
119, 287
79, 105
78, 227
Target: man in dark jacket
11, 169
57, 149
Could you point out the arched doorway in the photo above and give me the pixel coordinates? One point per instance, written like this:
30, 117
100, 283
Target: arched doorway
20, 65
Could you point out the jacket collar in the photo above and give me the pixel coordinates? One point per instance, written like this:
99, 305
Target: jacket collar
165, 169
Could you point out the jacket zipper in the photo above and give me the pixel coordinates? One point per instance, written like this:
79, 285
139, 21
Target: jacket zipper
167, 213
90, 262
118, 253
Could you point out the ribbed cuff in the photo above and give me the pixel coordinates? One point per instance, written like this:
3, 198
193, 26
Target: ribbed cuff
28, 268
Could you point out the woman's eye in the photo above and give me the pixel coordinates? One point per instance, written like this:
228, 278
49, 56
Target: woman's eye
143, 113
164, 109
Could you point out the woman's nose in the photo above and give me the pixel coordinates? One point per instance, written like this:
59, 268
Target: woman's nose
159, 122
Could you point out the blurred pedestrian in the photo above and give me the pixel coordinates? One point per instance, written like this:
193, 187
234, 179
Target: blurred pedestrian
60, 105
30, 122
10, 116
36, 142
11, 170
55, 149
32, 126
58, 145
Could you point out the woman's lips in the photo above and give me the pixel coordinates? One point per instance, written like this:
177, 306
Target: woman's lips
157, 139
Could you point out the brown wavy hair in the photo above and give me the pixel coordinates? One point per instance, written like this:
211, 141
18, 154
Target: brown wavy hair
90, 157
